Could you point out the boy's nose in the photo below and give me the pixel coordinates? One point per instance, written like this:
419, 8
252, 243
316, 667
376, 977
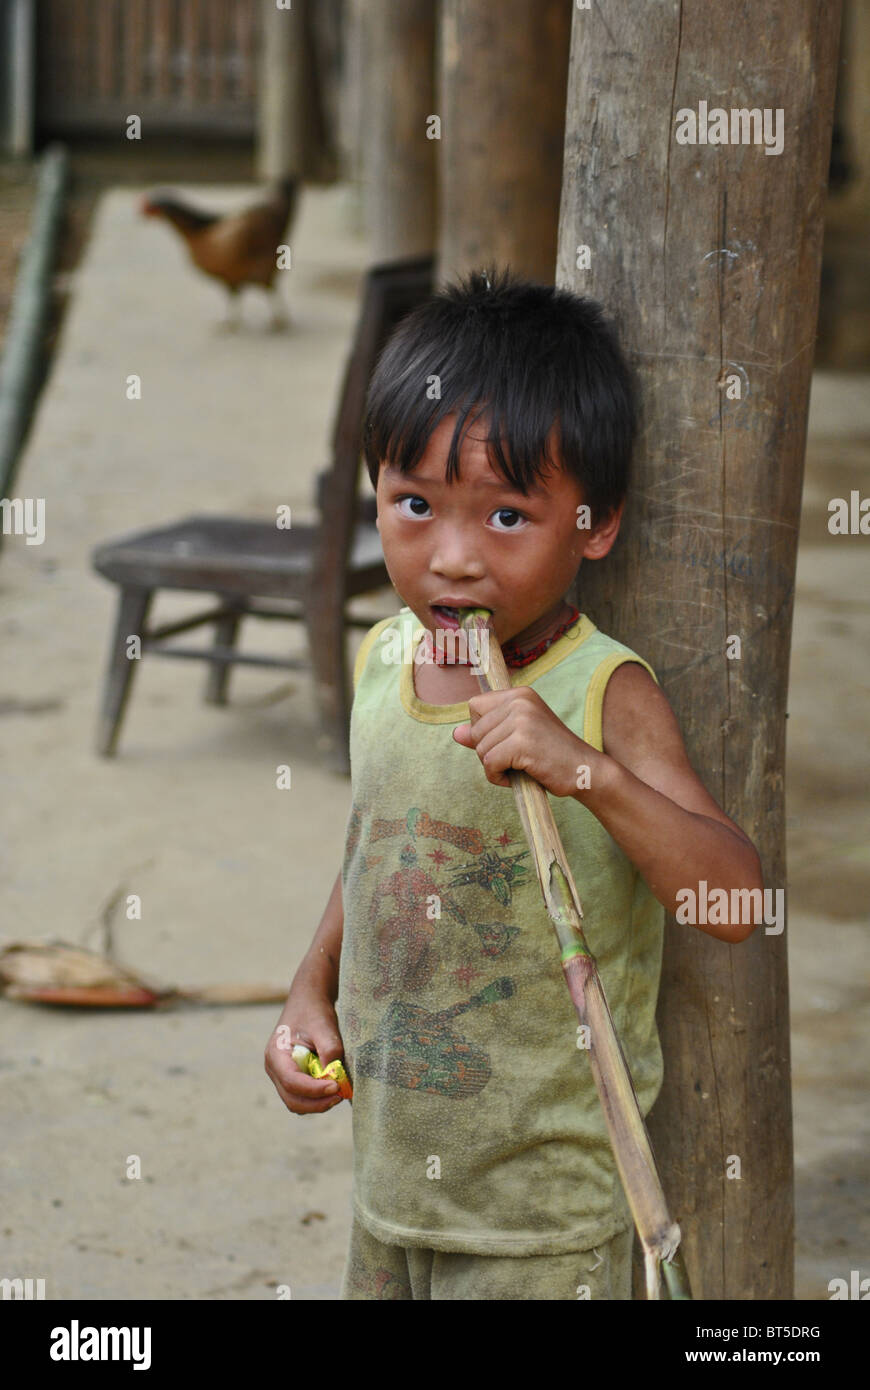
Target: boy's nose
456, 562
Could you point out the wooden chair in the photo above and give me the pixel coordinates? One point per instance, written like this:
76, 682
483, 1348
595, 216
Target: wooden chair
313, 569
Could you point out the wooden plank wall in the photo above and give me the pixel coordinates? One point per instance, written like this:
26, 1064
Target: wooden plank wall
184, 66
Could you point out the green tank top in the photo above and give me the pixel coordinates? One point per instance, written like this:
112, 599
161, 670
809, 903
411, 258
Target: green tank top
476, 1123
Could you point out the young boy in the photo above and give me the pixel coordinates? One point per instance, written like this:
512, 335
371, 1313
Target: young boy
498, 414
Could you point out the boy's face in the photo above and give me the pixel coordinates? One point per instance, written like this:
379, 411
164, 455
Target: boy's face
479, 542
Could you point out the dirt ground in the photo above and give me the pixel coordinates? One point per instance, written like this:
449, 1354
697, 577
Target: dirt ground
828, 847
237, 1196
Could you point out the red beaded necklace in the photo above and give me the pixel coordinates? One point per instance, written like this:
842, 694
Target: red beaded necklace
514, 656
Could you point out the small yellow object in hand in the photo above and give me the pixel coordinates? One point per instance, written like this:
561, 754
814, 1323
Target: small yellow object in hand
308, 1061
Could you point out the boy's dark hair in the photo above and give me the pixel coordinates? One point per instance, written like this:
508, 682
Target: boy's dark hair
526, 357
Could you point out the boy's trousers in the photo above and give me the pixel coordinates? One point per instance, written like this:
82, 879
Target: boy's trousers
378, 1271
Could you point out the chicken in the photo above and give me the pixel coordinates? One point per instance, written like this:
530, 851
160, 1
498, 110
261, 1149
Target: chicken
239, 249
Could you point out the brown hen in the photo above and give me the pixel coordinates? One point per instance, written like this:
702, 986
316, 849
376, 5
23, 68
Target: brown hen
238, 249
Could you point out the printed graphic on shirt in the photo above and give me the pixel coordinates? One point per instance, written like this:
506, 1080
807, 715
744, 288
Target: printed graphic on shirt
497, 873
388, 1285
408, 905
417, 1049
406, 937
417, 824
495, 937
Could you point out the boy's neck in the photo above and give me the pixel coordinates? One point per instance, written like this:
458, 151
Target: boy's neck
540, 629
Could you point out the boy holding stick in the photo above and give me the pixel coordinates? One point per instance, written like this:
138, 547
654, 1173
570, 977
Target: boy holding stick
499, 430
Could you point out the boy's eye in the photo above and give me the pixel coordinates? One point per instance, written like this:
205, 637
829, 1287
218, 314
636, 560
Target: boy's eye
509, 518
417, 506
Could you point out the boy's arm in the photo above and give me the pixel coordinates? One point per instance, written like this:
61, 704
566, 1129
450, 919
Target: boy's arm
309, 1017
648, 796
642, 787
320, 963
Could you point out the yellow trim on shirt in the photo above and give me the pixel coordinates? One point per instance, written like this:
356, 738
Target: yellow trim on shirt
366, 645
593, 716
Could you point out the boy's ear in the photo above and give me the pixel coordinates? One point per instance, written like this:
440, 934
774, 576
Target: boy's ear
601, 537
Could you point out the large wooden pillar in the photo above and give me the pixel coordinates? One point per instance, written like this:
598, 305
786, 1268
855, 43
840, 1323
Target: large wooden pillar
844, 315
708, 256
354, 97
399, 160
292, 135
855, 106
17, 66
502, 109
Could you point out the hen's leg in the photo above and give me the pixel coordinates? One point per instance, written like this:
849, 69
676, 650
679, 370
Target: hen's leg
232, 320
280, 318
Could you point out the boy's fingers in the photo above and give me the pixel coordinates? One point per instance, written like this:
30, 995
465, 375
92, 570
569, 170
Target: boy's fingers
327, 1045
470, 732
313, 1087
486, 699
298, 1106
483, 720
305, 1094
290, 1077
496, 757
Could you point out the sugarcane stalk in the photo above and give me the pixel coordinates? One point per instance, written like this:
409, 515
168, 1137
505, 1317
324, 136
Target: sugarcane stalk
659, 1235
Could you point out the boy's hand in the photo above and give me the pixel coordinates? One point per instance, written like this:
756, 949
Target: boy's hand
308, 1018
517, 729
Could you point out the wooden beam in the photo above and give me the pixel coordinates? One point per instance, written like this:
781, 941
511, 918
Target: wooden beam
353, 110
18, 28
22, 368
291, 137
708, 257
853, 205
501, 103
399, 161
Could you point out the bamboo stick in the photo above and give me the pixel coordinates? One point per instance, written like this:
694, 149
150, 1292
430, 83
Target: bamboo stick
659, 1234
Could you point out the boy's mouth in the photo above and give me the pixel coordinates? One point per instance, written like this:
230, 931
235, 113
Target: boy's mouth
444, 616
447, 615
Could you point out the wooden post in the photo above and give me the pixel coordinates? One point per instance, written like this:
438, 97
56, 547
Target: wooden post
844, 312
399, 164
502, 109
708, 257
23, 365
292, 136
855, 110
19, 23
354, 98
